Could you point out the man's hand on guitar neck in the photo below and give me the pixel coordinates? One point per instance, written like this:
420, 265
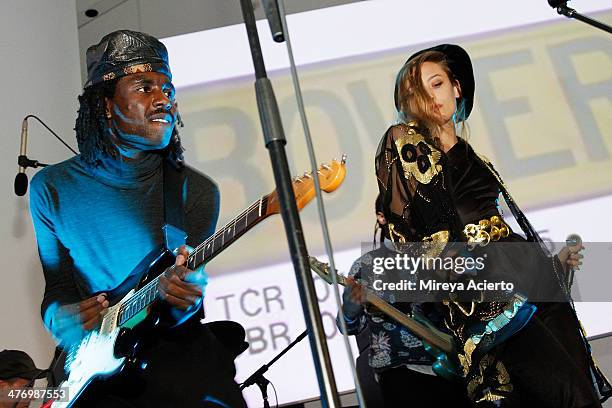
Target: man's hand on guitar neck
183, 288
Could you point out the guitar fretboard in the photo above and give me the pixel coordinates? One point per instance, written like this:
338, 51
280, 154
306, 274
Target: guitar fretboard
426, 332
203, 253
233, 230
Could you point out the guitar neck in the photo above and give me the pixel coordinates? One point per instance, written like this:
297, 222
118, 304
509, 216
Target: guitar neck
233, 230
430, 334
203, 253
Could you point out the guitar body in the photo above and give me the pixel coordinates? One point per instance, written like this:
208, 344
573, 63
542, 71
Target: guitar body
136, 328
443, 366
106, 352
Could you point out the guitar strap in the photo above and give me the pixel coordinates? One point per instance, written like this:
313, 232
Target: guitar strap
175, 192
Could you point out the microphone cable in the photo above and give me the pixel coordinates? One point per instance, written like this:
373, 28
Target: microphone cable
52, 132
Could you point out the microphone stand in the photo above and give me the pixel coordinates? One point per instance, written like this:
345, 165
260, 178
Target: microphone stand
275, 141
258, 378
21, 180
569, 12
25, 162
53, 133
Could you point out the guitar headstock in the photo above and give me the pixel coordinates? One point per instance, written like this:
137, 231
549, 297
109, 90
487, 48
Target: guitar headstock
322, 269
331, 175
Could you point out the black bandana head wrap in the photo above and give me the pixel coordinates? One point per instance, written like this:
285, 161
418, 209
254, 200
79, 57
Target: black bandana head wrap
125, 52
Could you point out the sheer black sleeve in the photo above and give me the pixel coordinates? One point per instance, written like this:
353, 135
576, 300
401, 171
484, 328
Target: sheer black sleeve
411, 180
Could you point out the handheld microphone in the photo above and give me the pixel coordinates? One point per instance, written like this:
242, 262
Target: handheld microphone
573, 240
21, 179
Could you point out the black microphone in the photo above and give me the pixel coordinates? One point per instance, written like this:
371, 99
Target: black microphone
557, 3
573, 240
274, 20
21, 179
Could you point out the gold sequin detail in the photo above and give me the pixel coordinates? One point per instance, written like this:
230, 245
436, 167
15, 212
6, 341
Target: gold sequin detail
494, 309
393, 234
422, 196
500, 374
137, 68
109, 77
466, 357
434, 244
487, 230
419, 159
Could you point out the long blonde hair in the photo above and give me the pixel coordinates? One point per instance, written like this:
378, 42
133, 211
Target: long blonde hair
413, 102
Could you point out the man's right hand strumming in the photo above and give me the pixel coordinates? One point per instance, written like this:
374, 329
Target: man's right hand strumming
71, 322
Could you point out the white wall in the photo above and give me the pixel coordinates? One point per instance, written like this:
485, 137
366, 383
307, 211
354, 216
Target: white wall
40, 73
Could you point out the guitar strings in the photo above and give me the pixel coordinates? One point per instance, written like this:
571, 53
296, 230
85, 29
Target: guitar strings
235, 221
221, 232
130, 302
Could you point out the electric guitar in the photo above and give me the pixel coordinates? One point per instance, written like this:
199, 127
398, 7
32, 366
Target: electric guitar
437, 343
106, 351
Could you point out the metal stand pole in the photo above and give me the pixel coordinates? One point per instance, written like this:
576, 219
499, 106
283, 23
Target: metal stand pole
274, 138
258, 376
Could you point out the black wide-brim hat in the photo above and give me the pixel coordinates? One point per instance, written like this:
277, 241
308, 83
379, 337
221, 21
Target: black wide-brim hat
125, 52
460, 65
18, 364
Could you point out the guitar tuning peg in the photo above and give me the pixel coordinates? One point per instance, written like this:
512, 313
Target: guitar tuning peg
307, 175
343, 161
298, 180
326, 167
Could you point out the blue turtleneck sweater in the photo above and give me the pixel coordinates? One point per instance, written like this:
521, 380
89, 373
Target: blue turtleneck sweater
94, 225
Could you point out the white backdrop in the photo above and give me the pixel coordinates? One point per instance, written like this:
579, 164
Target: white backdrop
40, 72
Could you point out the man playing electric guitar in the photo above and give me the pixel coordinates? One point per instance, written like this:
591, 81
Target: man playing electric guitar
99, 214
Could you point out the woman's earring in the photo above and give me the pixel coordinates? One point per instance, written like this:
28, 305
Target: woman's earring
108, 114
